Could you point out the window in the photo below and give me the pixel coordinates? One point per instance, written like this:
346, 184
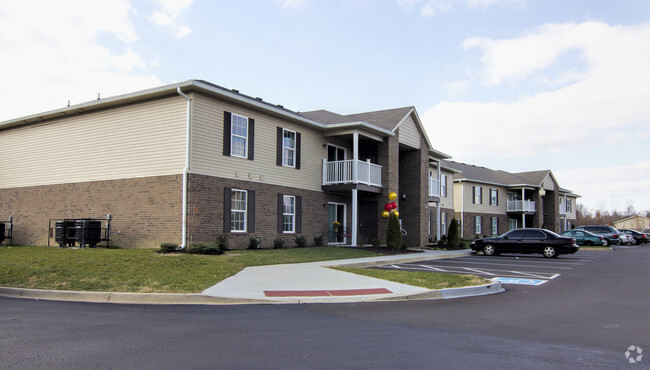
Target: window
443, 223
443, 185
238, 210
288, 214
239, 136
238, 133
568, 205
288, 148
512, 224
429, 223
477, 194
477, 221
494, 197
495, 226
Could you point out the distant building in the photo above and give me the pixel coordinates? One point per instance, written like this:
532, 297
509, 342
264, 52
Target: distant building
634, 223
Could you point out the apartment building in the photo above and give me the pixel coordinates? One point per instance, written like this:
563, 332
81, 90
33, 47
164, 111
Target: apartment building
192, 160
491, 202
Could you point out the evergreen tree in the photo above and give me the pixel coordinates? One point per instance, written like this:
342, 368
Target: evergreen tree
453, 239
393, 233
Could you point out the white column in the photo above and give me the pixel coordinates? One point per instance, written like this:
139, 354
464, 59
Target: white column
438, 224
355, 156
355, 217
523, 208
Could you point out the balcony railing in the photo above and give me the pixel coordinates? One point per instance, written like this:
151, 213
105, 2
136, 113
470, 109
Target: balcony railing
521, 206
434, 187
343, 172
562, 209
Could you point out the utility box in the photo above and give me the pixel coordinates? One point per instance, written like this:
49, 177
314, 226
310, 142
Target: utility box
64, 233
88, 232
2, 232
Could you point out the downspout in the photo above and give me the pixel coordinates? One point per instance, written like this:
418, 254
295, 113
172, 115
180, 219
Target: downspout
186, 170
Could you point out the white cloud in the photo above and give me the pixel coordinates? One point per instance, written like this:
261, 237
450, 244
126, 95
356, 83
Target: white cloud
433, 7
57, 46
292, 4
170, 14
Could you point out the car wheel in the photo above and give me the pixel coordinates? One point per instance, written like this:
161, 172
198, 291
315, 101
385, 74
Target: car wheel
489, 250
605, 242
549, 252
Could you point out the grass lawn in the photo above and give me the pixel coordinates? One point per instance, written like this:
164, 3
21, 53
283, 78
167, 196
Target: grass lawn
141, 270
429, 280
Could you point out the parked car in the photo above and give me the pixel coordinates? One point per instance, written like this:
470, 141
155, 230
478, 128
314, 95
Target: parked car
639, 238
626, 239
543, 241
584, 237
610, 233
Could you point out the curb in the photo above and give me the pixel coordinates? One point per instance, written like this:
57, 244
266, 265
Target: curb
387, 261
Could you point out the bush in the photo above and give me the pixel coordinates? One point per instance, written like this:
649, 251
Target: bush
393, 233
453, 239
222, 242
168, 247
318, 241
376, 242
278, 243
253, 242
301, 242
203, 248
443, 239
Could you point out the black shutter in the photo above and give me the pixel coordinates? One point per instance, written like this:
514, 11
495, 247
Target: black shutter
251, 139
251, 211
227, 120
226, 209
474, 194
280, 212
298, 215
497, 190
297, 150
278, 152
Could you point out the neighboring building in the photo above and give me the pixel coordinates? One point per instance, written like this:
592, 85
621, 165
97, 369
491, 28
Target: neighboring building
635, 223
491, 202
190, 161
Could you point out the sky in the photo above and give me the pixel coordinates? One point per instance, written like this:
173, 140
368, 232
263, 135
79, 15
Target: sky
513, 85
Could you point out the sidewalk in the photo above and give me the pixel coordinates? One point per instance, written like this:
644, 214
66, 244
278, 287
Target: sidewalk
310, 282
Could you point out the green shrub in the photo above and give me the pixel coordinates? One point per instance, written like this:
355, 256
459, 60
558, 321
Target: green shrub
301, 242
203, 248
222, 242
376, 242
453, 239
394, 233
318, 241
254, 242
278, 243
168, 247
443, 239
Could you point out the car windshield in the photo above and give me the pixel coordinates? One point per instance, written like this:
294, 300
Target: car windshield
549, 232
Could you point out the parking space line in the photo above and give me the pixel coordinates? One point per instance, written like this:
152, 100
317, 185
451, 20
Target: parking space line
474, 271
505, 264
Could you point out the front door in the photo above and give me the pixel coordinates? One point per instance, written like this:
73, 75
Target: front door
336, 223
367, 221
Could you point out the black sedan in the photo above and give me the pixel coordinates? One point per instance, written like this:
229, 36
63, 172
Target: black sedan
639, 238
543, 241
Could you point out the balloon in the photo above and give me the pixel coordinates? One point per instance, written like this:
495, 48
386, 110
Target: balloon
393, 205
392, 195
388, 207
396, 214
384, 214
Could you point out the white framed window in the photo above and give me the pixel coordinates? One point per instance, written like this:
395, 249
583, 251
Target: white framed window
568, 205
288, 214
478, 195
238, 210
429, 223
288, 148
443, 223
443, 185
512, 224
495, 226
494, 197
477, 221
238, 136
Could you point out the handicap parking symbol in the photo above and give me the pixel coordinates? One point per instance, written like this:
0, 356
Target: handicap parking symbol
506, 280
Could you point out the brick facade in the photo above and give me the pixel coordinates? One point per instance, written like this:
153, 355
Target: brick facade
468, 229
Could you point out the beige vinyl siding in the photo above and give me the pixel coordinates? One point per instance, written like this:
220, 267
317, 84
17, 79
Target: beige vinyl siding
485, 207
448, 201
548, 183
409, 133
139, 140
207, 147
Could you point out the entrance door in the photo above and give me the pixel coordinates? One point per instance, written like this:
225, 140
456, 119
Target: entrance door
336, 214
367, 221
335, 153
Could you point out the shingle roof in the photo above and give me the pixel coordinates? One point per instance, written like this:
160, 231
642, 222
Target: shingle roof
386, 119
482, 174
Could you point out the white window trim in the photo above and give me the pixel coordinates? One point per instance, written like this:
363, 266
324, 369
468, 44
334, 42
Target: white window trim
495, 226
478, 195
443, 185
244, 212
477, 221
494, 199
233, 135
443, 223
292, 150
285, 213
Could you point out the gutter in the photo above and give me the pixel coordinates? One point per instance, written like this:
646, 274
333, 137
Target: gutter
186, 170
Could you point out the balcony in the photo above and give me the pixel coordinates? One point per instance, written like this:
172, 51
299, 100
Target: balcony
521, 206
434, 187
343, 172
563, 209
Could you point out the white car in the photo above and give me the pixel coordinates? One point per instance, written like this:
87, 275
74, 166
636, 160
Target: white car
627, 239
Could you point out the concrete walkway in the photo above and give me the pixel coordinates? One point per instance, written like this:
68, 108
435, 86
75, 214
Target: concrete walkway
310, 282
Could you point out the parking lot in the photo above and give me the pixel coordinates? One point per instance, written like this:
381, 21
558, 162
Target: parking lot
523, 269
